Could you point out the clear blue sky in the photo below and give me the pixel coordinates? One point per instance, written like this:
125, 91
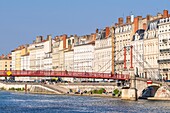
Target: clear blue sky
22, 20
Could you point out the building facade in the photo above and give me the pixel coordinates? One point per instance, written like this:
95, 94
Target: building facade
164, 46
5, 63
122, 38
151, 51
103, 51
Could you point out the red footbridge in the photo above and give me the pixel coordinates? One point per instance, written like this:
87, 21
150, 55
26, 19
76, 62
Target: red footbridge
71, 74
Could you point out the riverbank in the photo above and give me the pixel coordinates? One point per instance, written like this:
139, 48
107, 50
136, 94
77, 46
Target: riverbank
72, 89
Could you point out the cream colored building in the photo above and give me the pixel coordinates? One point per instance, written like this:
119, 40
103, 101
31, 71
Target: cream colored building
103, 52
59, 46
38, 51
40, 54
138, 52
151, 51
122, 38
126, 35
84, 53
55, 54
164, 46
69, 55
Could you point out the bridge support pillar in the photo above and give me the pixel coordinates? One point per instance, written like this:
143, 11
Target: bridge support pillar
130, 93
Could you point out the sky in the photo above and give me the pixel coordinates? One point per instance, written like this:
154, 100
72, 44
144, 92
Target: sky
22, 20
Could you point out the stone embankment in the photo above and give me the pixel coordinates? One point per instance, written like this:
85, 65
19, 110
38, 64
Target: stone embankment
83, 89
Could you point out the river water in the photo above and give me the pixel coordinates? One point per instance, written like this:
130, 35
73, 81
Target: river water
32, 103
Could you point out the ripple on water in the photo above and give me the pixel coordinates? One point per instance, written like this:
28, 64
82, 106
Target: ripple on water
29, 103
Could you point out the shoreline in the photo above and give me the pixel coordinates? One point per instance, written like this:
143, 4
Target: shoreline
70, 94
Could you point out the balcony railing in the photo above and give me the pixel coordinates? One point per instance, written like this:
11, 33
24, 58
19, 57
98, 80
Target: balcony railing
164, 61
165, 50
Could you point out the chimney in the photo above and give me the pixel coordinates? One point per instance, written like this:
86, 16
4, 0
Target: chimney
165, 13
120, 20
97, 30
144, 26
159, 15
3, 56
128, 19
107, 32
116, 24
64, 37
148, 17
94, 36
136, 24
9, 56
49, 37
39, 39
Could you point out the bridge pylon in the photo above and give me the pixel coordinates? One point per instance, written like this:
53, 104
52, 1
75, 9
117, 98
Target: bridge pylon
131, 92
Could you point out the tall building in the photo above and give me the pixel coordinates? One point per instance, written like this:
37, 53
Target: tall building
55, 54
103, 51
38, 51
164, 46
138, 52
151, 51
40, 54
84, 54
69, 57
122, 38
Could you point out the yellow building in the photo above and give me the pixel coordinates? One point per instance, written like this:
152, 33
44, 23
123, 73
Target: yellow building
5, 63
16, 57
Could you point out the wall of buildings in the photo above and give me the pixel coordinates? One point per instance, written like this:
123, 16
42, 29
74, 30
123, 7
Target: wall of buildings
103, 51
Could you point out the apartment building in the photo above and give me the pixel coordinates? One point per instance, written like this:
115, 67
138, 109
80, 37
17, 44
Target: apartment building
129, 34
59, 46
138, 52
122, 38
16, 57
5, 63
103, 51
69, 55
84, 53
25, 58
164, 46
40, 54
55, 54
151, 51
38, 51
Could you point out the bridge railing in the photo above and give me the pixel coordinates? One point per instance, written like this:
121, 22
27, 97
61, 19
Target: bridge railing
43, 73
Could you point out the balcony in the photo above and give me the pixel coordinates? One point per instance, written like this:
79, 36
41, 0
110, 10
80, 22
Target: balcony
165, 40
119, 61
164, 50
165, 69
164, 61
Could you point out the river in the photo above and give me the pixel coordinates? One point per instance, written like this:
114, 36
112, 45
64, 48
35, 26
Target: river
33, 103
